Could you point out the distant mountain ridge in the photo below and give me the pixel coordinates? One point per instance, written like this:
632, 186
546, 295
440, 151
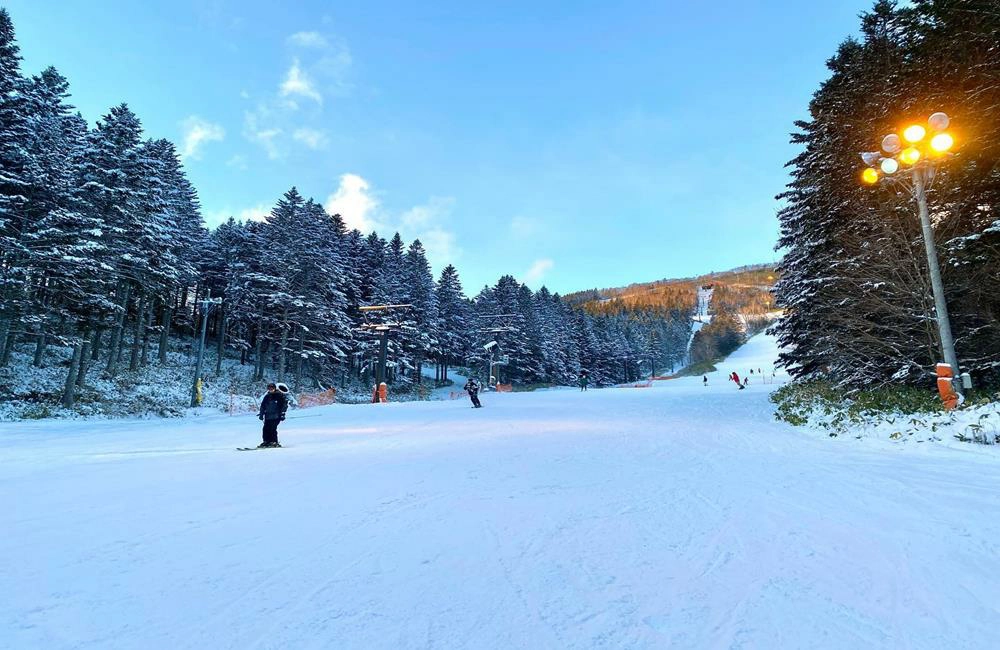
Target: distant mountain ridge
744, 288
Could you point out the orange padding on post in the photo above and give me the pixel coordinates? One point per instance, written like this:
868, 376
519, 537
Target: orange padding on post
505, 388
945, 386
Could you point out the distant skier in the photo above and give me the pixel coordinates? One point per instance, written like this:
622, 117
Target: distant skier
272, 411
746, 382
584, 380
751, 371
704, 380
472, 388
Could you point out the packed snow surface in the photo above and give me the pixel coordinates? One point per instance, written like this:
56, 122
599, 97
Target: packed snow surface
676, 516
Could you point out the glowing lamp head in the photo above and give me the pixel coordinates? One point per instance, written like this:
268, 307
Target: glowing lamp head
914, 133
869, 176
942, 142
939, 121
891, 143
890, 166
910, 155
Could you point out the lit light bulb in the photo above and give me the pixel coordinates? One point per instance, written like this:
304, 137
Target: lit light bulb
869, 176
914, 133
890, 166
910, 155
942, 142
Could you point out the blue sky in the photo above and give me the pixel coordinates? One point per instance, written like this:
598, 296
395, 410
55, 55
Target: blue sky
572, 144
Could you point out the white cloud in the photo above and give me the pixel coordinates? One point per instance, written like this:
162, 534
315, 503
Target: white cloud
537, 271
256, 132
308, 39
258, 212
421, 216
354, 202
334, 68
297, 82
312, 138
196, 132
426, 223
523, 227
238, 161
440, 246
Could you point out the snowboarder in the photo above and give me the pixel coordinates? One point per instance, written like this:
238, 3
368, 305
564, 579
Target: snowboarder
736, 378
584, 380
472, 388
272, 411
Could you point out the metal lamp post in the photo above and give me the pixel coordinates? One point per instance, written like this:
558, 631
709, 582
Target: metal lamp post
911, 162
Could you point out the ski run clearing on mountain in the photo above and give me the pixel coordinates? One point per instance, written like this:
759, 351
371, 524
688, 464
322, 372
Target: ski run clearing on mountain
680, 516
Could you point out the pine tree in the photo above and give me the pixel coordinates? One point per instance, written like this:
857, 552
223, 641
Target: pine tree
854, 280
419, 292
14, 137
454, 319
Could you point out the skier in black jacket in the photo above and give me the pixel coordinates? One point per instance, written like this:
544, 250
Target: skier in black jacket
272, 411
472, 388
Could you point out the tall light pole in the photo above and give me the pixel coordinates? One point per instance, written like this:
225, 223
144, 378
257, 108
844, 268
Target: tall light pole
912, 163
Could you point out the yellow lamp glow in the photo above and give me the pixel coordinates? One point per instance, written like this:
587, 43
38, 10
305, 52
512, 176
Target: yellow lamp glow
910, 155
869, 176
914, 133
942, 142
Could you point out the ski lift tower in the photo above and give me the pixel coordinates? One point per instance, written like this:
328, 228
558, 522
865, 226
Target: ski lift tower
206, 307
380, 320
493, 326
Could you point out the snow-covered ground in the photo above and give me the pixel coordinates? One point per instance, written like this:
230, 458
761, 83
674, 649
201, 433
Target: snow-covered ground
704, 299
675, 516
701, 316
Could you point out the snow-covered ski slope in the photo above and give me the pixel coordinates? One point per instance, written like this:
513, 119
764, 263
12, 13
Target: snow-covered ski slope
679, 516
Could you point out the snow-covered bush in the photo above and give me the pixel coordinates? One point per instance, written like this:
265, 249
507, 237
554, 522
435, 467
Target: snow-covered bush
896, 413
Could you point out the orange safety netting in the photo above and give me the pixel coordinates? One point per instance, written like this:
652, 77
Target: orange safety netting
505, 388
305, 400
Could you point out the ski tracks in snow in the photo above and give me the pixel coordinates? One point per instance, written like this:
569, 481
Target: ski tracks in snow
678, 516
